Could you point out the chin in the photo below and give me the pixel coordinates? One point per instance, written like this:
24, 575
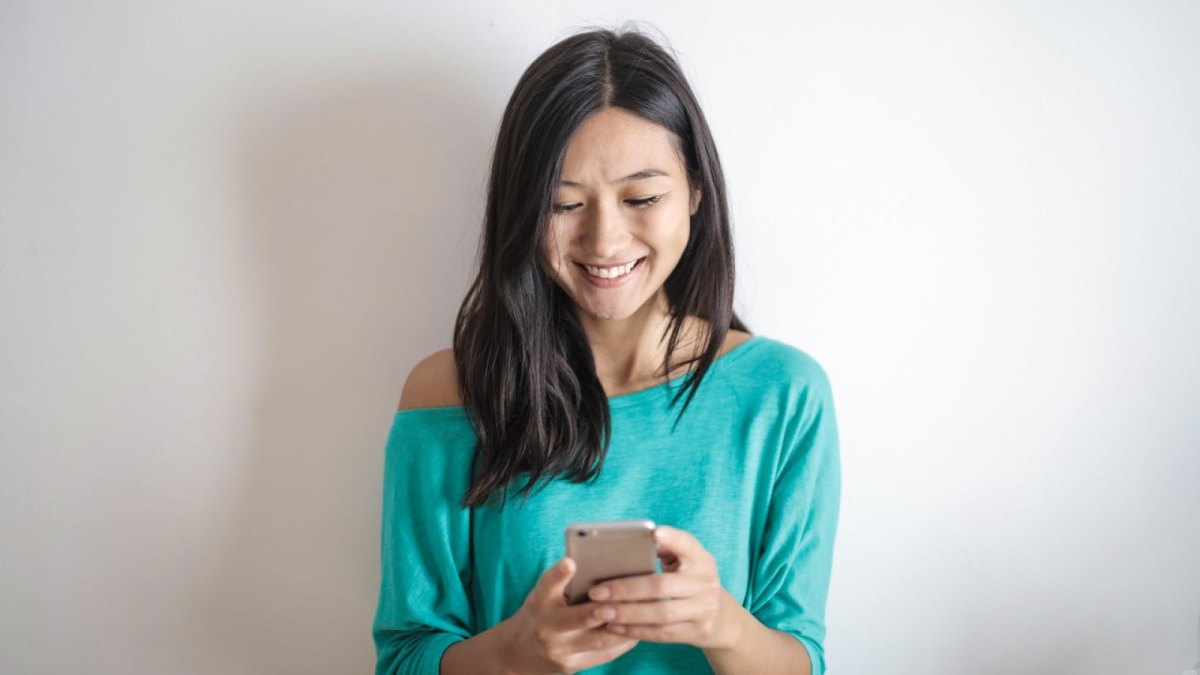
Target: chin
607, 316
610, 312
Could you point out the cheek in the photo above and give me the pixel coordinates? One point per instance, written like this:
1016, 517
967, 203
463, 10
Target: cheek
670, 232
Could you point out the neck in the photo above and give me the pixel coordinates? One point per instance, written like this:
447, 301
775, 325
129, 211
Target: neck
629, 352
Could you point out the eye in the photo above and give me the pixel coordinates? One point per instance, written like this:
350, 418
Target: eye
643, 203
636, 203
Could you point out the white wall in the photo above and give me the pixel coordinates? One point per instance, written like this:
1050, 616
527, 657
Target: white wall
228, 229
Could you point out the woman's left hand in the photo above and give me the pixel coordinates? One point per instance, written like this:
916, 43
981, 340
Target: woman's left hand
695, 609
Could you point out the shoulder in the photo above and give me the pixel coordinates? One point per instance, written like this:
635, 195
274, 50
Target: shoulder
433, 382
778, 364
799, 363
792, 388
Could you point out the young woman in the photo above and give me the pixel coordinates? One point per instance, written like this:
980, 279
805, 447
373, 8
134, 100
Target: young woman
598, 372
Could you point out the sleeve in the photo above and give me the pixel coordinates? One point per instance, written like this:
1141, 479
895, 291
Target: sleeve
791, 580
424, 604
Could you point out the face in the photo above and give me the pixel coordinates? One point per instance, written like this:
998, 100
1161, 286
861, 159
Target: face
624, 200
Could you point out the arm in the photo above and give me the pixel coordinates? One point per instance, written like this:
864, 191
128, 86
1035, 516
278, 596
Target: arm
479, 655
424, 604
426, 626
693, 608
757, 648
782, 629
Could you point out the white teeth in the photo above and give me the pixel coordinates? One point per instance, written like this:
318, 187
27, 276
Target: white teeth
612, 272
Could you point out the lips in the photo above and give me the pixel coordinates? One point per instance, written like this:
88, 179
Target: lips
610, 282
607, 267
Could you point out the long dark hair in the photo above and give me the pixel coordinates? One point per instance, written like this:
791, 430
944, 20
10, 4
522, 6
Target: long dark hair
524, 364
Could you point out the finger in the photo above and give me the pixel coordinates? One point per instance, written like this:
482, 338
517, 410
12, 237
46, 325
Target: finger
578, 633
553, 582
684, 631
666, 612
649, 587
593, 640
574, 617
680, 545
596, 657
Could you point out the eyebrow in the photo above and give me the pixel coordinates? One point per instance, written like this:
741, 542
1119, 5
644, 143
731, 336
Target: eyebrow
637, 175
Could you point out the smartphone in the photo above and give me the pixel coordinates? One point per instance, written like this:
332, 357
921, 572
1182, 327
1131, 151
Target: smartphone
606, 550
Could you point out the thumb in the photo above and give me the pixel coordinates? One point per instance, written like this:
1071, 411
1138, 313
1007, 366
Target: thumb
553, 582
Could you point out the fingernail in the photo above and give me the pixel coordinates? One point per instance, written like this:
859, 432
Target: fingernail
607, 613
617, 628
599, 593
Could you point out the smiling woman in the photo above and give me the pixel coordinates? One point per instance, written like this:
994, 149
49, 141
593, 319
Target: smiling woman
604, 298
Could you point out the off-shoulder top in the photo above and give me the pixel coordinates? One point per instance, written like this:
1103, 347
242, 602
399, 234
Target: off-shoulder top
752, 470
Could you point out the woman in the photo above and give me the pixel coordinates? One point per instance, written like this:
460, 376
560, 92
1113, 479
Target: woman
598, 372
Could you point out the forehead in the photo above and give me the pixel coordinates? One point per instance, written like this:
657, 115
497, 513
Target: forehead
615, 142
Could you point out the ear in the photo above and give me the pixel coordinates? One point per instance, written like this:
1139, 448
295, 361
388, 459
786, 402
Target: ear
695, 203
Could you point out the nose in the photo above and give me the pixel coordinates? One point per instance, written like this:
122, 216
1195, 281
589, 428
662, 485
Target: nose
605, 233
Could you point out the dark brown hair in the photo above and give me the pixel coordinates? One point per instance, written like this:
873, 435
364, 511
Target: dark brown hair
524, 364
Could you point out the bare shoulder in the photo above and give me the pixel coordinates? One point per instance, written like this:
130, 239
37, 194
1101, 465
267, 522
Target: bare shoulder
432, 383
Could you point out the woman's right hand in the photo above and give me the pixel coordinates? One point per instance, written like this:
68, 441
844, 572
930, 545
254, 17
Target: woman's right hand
546, 635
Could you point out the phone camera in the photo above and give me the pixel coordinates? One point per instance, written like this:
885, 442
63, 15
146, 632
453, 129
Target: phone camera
582, 533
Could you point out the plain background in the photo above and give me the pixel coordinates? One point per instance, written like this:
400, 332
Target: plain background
228, 230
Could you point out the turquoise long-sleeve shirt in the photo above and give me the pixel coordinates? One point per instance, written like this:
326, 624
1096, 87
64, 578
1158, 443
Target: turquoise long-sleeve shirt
752, 471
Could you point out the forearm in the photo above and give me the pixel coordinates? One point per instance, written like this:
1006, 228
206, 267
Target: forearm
758, 649
480, 654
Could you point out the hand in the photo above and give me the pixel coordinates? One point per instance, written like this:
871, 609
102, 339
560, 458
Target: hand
695, 609
546, 635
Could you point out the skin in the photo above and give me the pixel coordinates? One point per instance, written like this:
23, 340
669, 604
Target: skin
597, 220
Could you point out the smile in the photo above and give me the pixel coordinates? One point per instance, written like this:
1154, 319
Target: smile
610, 276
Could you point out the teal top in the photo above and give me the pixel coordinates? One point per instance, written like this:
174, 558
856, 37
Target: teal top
752, 471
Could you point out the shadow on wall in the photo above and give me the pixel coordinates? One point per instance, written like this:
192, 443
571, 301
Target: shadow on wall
362, 206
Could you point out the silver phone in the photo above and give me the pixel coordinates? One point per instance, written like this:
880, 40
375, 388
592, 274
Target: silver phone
611, 549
